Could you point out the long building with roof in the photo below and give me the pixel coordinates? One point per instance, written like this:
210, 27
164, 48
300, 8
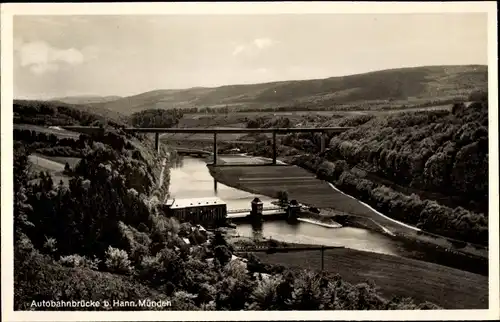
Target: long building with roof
205, 211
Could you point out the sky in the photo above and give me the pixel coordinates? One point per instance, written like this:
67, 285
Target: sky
57, 56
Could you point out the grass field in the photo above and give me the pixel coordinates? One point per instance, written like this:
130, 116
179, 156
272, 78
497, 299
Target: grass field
447, 287
299, 183
55, 169
62, 160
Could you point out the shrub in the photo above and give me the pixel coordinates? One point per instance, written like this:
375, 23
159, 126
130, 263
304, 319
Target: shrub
79, 261
117, 261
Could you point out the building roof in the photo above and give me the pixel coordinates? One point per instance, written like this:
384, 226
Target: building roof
195, 202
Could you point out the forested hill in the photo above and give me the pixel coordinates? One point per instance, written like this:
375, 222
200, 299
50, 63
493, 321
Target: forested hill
52, 113
418, 85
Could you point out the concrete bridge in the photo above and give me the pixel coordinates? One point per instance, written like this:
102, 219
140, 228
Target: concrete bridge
215, 131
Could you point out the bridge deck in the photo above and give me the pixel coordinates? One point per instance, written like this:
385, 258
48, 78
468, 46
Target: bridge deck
246, 213
239, 213
238, 130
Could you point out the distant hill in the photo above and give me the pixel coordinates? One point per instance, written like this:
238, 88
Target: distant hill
85, 99
418, 84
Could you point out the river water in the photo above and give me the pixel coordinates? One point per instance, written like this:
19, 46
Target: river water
190, 178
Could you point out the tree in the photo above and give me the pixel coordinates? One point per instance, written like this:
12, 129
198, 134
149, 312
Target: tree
222, 254
67, 168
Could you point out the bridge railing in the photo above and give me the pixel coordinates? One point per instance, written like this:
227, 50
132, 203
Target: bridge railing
267, 248
233, 211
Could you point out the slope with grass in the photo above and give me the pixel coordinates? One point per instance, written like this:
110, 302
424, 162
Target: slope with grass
447, 287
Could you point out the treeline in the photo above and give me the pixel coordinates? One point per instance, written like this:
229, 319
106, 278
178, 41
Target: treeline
266, 122
57, 113
105, 235
156, 118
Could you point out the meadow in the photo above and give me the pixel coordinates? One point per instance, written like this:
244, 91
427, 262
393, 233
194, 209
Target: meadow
397, 276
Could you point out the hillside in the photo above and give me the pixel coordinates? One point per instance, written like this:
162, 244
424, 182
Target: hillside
59, 113
405, 86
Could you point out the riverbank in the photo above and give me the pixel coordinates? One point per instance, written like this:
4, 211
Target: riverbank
306, 189
396, 276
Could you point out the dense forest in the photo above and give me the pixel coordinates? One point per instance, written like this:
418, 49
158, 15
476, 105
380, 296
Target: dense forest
104, 235
156, 118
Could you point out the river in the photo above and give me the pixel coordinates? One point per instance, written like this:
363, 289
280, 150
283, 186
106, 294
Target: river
190, 178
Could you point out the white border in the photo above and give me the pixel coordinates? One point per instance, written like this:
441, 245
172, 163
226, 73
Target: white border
8, 10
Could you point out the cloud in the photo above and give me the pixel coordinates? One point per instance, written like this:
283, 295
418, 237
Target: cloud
40, 57
254, 47
238, 50
263, 42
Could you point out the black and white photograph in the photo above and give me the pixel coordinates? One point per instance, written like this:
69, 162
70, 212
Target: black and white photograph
294, 161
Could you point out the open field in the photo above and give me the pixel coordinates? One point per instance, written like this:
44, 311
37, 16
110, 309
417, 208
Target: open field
62, 160
59, 132
300, 185
46, 163
423, 281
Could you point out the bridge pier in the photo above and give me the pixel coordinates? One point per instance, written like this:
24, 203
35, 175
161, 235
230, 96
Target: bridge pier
323, 142
215, 148
157, 142
274, 147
